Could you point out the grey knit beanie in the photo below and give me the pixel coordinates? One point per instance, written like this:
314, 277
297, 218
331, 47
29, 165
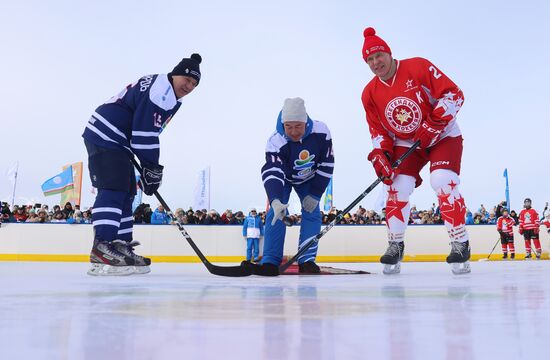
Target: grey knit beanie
294, 110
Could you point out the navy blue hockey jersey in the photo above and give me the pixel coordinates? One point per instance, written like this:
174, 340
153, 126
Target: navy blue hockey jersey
134, 119
309, 160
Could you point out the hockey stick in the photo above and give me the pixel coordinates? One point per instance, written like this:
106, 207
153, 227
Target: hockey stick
232, 271
491, 253
341, 214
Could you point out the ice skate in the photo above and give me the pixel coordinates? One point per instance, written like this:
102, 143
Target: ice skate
512, 256
107, 261
392, 258
504, 256
538, 255
459, 257
141, 263
528, 255
309, 267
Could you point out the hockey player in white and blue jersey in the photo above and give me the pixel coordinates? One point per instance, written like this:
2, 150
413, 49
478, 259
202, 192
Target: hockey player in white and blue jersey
299, 156
129, 124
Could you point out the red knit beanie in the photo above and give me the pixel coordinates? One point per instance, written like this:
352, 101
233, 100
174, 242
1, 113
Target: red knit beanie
373, 43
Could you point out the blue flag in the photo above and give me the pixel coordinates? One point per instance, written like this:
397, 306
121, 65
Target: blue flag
507, 191
59, 183
328, 196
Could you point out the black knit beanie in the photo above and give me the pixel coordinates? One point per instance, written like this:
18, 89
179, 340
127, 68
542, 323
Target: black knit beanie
189, 67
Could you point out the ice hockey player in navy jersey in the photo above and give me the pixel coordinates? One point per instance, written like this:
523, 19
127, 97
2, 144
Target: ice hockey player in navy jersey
129, 124
299, 156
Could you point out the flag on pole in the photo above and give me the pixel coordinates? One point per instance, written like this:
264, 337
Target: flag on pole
201, 198
507, 191
328, 196
59, 183
73, 195
12, 177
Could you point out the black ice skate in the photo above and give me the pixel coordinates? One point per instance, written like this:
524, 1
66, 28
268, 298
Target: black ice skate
107, 261
459, 257
528, 255
141, 263
512, 256
392, 258
309, 267
538, 254
505, 256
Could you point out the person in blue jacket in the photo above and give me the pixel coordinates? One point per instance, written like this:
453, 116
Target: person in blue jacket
128, 125
299, 156
253, 230
159, 216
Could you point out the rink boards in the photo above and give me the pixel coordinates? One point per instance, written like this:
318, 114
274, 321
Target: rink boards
164, 243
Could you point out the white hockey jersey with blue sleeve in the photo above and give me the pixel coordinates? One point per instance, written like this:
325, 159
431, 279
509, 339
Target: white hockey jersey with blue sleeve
134, 119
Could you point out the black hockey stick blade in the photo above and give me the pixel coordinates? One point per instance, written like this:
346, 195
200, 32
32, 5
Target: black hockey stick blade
315, 239
231, 271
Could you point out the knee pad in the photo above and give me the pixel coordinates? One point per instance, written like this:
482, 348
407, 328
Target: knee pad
404, 184
444, 180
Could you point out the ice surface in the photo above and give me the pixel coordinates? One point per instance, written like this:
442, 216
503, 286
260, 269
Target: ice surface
179, 311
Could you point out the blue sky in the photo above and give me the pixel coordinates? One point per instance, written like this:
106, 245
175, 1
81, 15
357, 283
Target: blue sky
61, 59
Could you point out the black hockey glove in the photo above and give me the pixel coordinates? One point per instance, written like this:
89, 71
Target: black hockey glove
151, 177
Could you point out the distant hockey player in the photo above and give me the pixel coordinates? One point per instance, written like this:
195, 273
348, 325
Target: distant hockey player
505, 228
253, 230
406, 101
299, 156
129, 124
529, 226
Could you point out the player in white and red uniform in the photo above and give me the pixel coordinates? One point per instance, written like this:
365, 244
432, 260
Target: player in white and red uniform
529, 226
505, 228
410, 100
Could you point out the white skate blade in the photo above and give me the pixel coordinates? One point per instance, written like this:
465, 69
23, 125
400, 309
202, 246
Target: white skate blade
97, 269
392, 269
139, 270
461, 268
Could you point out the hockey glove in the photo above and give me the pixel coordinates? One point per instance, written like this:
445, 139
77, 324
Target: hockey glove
521, 231
428, 133
537, 230
310, 203
279, 210
151, 177
381, 162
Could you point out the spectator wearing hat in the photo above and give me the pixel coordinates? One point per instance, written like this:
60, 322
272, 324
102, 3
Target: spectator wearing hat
253, 230
159, 216
213, 218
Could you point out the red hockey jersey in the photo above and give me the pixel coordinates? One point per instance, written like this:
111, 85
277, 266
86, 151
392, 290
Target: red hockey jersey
505, 224
396, 107
528, 219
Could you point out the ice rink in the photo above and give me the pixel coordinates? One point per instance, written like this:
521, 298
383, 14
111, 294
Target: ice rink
179, 311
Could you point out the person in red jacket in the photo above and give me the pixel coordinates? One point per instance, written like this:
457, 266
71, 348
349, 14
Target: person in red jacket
505, 228
407, 101
529, 226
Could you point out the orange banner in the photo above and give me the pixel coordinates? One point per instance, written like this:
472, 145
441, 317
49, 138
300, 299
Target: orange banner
73, 195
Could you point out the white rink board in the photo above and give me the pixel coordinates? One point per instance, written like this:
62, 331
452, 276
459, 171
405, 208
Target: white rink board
226, 242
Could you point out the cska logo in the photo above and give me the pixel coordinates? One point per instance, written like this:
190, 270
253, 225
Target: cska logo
403, 114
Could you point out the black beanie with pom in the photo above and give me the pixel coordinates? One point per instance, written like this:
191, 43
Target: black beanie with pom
189, 67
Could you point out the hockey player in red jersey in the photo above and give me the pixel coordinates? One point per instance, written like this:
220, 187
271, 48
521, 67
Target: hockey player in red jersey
505, 228
529, 226
412, 100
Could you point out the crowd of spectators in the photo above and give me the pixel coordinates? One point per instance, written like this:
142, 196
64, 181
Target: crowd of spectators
144, 214
39, 213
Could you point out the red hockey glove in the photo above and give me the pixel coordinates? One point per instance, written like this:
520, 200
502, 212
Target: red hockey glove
381, 162
537, 229
521, 231
428, 133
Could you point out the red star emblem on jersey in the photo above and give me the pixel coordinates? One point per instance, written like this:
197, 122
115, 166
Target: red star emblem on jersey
443, 198
454, 213
452, 184
394, 207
